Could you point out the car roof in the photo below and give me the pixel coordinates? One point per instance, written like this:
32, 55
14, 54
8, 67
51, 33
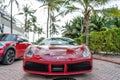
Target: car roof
59, 37
10, 33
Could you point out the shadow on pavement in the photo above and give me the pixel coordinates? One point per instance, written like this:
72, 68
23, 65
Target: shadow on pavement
65, 78
29, 76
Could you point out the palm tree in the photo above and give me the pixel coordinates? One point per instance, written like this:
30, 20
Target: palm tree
27, 12
88, 7
51, 6
54, 29
39, 31
67, 30
110, 12
2, 5
78, 25
109, 19
11, 2
73, 28
35, 28
99, 21
53, 26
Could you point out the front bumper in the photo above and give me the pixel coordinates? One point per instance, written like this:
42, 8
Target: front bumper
58, 68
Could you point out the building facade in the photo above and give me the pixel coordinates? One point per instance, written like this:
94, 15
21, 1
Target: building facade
5, 24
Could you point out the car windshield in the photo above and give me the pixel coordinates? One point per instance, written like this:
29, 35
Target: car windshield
7, 37
58, 41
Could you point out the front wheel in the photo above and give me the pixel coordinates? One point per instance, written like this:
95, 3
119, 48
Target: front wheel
9, 57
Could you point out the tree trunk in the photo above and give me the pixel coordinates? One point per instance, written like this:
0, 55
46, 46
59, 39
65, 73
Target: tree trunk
11, 19
87, 27
81, 26
50, 27
87, 33
33, 36
48, 21
25, 26
25, 23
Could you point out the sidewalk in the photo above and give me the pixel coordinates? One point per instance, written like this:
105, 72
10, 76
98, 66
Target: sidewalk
113, 59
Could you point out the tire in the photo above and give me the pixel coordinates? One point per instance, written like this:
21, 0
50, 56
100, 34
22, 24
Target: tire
9, 57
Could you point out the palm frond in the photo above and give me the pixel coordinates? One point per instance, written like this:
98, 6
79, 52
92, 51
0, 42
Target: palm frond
72, 8
114, 11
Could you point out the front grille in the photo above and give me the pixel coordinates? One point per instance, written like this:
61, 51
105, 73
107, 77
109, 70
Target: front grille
79, 66
57, 68
74, 67
36, 67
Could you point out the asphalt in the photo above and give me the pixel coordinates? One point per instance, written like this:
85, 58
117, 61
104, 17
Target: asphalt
113, 59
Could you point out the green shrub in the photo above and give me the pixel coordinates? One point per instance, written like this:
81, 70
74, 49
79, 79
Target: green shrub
39, 40
106, 41
77, 40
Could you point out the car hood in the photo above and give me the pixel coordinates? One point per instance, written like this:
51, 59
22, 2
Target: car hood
58, 53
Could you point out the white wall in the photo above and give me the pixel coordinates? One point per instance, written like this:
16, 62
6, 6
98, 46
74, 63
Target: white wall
8, 30
5, 19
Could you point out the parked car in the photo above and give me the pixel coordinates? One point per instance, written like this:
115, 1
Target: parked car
57, 56
12, 46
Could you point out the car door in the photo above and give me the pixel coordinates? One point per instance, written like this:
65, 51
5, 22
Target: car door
21, 45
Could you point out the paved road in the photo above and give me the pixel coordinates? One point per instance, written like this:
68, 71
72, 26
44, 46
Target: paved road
101, 71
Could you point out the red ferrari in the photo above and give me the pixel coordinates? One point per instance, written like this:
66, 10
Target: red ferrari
57, 56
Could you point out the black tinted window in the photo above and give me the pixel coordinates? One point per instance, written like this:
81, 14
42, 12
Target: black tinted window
58, 41
22, 38
7, 37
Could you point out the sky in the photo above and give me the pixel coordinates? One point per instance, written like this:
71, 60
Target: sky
42, 13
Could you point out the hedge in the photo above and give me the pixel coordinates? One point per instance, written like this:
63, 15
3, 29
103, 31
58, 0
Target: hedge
104, 41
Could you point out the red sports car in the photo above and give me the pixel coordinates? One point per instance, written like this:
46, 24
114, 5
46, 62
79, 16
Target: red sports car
57, 56
12, 46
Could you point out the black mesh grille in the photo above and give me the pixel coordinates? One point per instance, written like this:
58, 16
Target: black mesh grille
79, 67
57, 68
36, 67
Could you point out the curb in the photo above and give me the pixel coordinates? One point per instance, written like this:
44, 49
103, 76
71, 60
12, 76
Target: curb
108, 59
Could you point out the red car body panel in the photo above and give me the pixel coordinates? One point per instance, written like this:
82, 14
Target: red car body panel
1, 51
7, 44
18, 47
57, 57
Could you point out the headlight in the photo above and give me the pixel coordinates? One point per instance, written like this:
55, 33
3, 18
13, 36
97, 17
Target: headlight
86, 53
2, 45
29, 52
